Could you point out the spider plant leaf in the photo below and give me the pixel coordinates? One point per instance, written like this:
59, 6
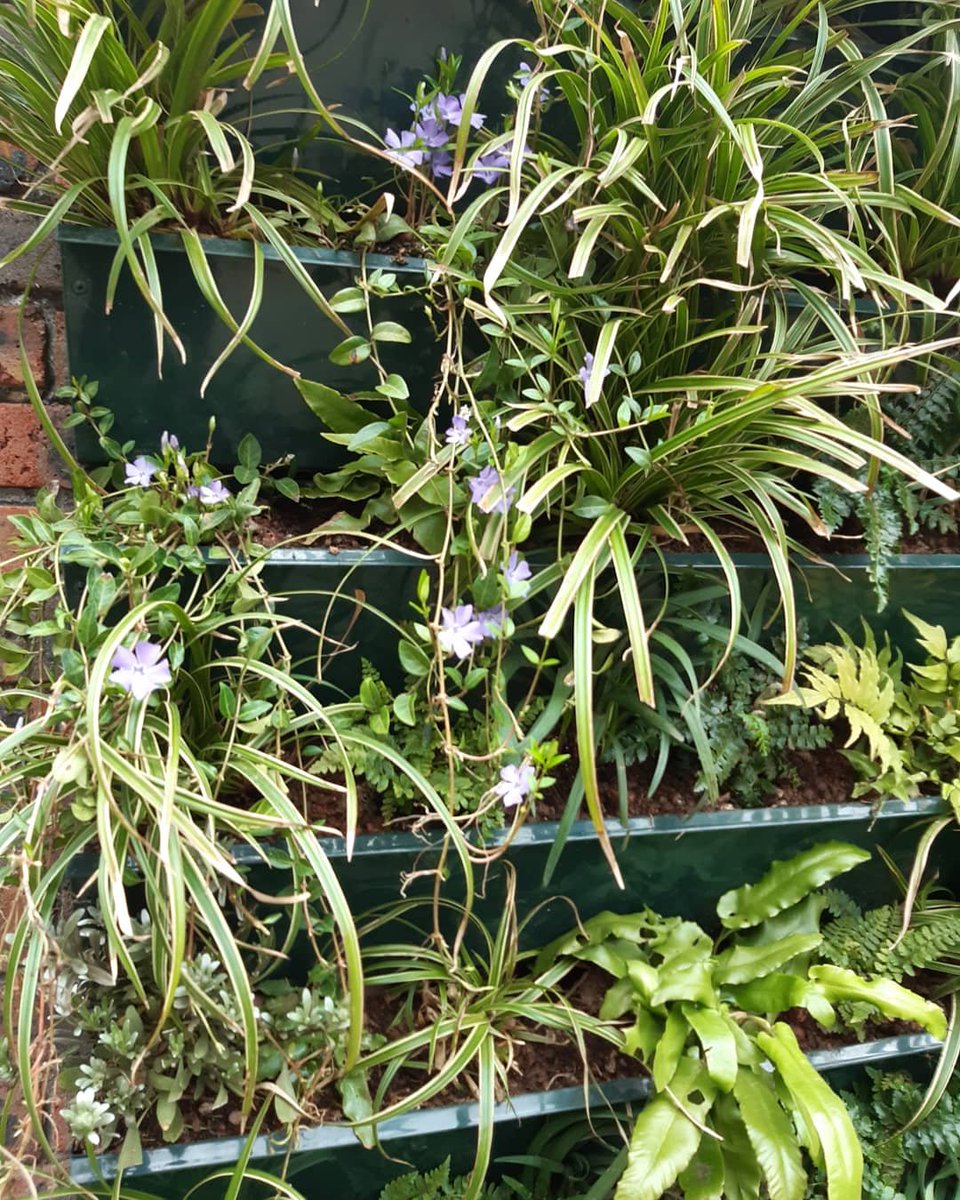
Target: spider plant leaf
296, 268
52, 217
584, 715
918, 868
204, 901
487, 1090
623, 563
944, 1070
242, 330
511, 236
93, 30
593, 547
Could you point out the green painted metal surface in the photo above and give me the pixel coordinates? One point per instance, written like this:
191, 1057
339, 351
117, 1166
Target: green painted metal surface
246, 395
675, 865
328, 1162
320, 585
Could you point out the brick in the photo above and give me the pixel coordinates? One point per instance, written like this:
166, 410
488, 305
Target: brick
7, 532
59, 363
24, 453
35, 339
40, 268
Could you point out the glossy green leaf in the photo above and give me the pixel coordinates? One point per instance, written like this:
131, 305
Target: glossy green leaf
741, 1171
771, 1135
664, 1139
715, 1032
703, 1179
741, 964
889, 997
670, 1048
834, 1140
786, 883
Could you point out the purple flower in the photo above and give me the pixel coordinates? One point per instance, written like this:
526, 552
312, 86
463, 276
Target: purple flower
490, 166
141, 670
441, 164
523, 76
140, 472
516, 571
586, 373
516, 784
492, 620
450, 109
461, 631
459, 432
169, 441
210, 494
403, 148
486, 491
430, 132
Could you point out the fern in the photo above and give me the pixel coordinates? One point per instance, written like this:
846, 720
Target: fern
895, 507
899, 1164
870, 942
435, 1185
752, 745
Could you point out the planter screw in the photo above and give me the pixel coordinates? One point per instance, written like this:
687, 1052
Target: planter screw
80, 287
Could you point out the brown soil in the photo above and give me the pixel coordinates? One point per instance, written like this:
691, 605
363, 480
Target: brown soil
824, 777
314, 522
812, 1037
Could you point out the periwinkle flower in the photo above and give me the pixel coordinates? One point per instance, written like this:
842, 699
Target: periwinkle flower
403, 148
517, 570
523, 76
169, 441
441, 164
490, 166
461, 631
140, 472
450, 109
492, 620
431, 133
141, 670
586, 374
516, 784
210, 494
486, 491
459, 432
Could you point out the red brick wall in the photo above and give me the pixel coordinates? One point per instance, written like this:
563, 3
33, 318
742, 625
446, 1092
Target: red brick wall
26, 461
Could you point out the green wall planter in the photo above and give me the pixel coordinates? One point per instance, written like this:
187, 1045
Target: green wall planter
837, 591
247, 395
329, 1162
672, 864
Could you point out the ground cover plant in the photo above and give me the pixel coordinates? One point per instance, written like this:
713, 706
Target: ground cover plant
651, 378
154, 717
